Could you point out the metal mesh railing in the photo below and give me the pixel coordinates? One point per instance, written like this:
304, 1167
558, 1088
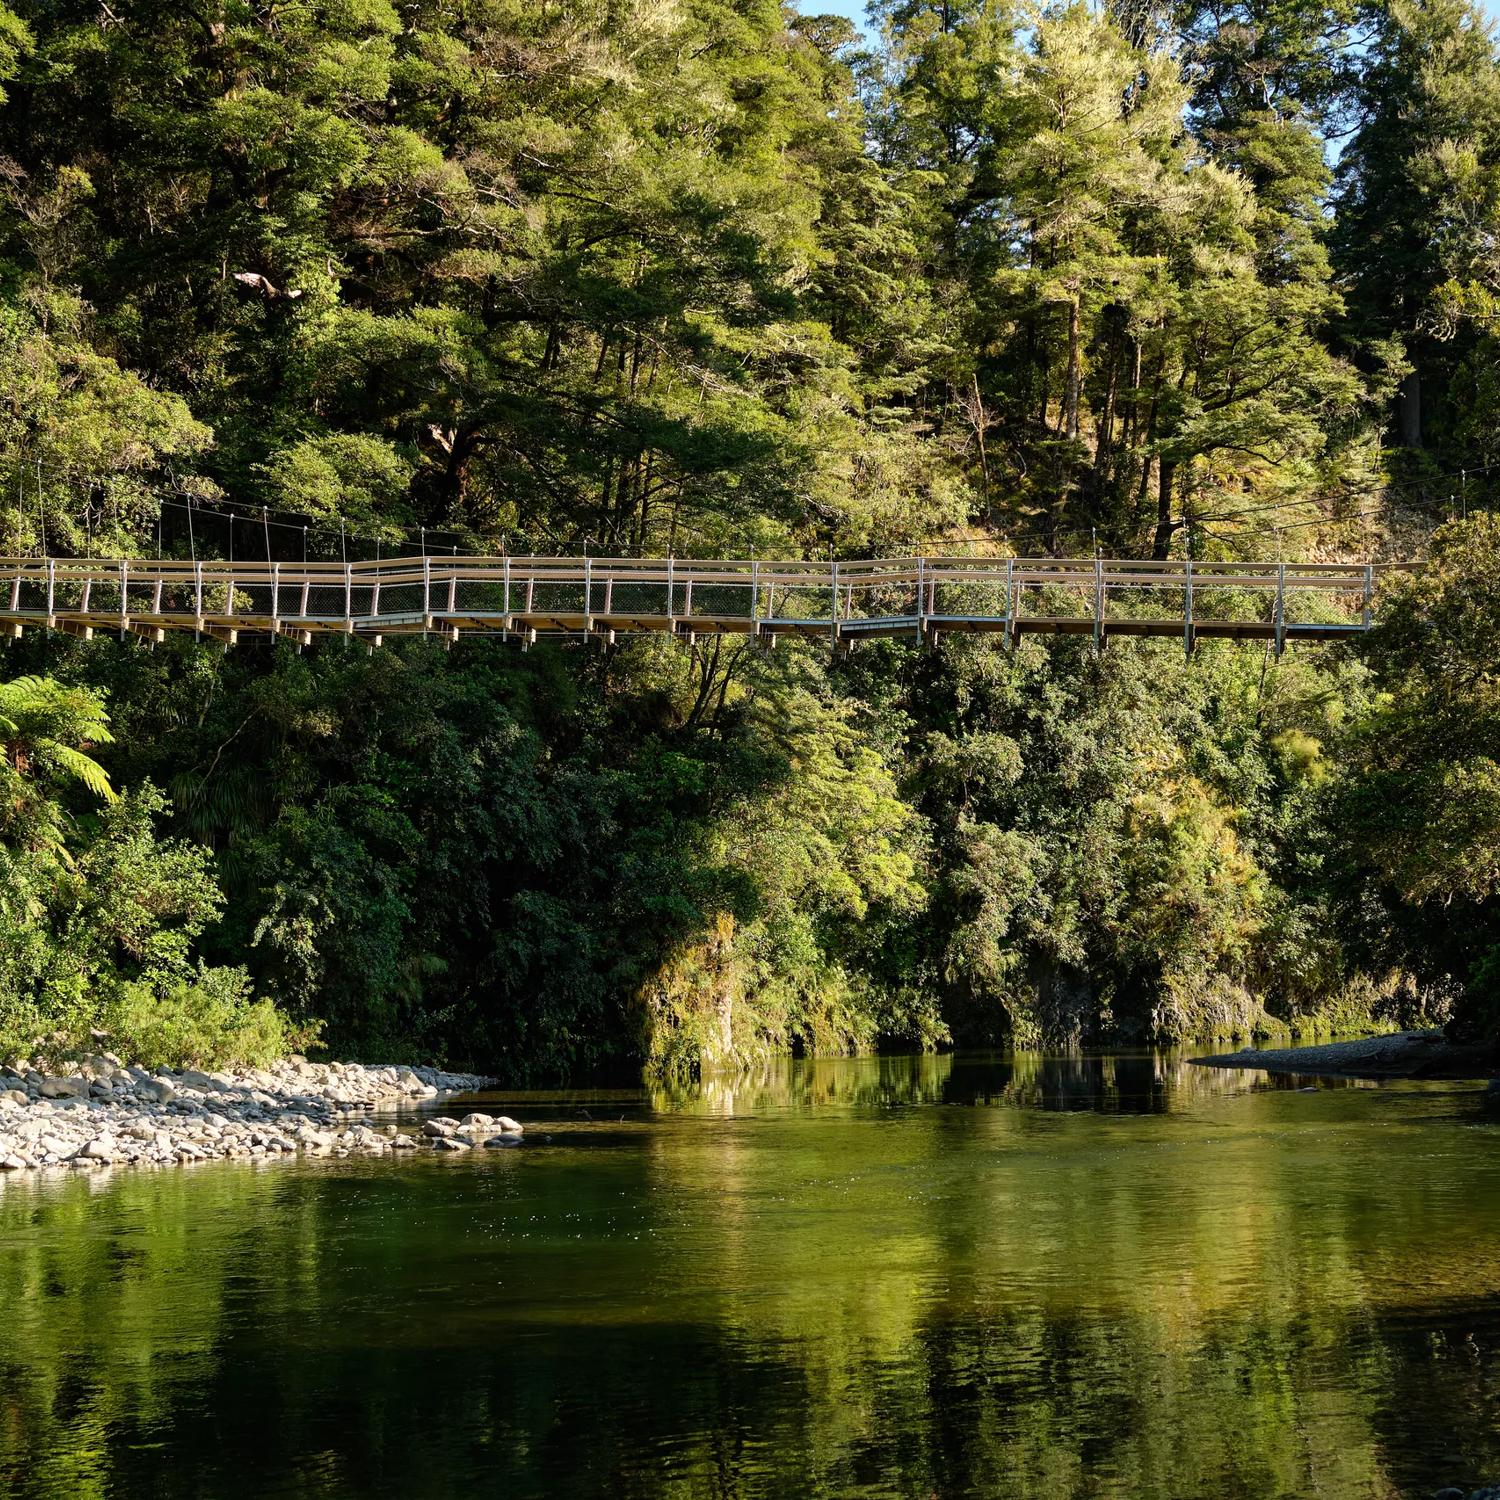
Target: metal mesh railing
541, 595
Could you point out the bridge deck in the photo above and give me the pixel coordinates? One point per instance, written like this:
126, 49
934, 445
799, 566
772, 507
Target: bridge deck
529, 597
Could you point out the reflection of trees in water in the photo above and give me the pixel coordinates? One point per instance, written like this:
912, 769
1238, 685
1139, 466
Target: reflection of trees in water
952, 1301
804, 1083
1144, 1082
1251, 1408
1130, 1083
1123, 1083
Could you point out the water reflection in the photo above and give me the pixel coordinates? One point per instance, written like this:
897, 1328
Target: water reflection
1106, 1275
1118, 1082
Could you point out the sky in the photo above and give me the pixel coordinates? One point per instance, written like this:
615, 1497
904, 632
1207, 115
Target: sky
854, 9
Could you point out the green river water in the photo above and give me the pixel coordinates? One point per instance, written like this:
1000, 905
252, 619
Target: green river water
1111, 1275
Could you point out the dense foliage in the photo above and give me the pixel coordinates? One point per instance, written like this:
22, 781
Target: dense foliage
716, 277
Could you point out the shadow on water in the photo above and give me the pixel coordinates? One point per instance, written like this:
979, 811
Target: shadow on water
1105, 1275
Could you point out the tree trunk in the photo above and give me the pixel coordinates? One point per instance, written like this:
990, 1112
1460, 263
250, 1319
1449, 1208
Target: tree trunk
1153, 412
1107, 416
981, 421
1161, 543
1409, 410
1133, 408
1075, 373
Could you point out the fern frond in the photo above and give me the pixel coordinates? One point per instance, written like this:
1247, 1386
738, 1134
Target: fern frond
85, 769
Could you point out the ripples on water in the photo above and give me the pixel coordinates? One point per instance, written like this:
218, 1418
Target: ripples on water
1114, 1275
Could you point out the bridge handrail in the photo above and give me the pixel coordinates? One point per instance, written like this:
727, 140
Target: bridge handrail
857, 572
529, 595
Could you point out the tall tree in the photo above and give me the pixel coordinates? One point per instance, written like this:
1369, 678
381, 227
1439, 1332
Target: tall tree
1408, 221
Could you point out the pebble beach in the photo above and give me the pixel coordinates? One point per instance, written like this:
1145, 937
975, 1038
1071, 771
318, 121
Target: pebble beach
104, 1113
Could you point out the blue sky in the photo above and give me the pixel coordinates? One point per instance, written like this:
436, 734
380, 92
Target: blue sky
854, 9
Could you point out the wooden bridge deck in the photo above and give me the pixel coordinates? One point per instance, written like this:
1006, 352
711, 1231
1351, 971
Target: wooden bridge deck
843, 602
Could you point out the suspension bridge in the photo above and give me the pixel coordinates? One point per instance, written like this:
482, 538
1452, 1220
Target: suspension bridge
527, 598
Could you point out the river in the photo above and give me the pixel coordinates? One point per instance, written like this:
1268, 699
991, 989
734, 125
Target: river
1113, 1275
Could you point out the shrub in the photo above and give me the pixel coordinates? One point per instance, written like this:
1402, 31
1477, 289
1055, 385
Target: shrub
210, 1021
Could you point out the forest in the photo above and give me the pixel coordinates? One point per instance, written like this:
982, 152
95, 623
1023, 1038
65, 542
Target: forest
721, 278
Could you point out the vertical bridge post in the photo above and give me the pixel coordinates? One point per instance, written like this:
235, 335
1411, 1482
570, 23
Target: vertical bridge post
1280, 608
1369, 613
1187, 610
1098, 605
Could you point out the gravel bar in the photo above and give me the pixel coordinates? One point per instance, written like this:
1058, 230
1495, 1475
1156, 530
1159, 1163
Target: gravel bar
105, 1113
1401, 1054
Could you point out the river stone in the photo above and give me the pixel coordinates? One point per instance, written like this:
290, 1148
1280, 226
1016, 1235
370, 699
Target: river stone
12, 1164
63, 1088
512, 1127
109, 1112
496, 1142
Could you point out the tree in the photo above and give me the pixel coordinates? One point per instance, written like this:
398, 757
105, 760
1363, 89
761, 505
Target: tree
45, 732
1409, 218
1422, 796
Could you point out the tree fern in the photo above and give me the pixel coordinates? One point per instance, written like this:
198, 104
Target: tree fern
46, 724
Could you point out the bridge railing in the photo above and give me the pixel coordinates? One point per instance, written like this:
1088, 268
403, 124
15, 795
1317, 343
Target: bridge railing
841, 598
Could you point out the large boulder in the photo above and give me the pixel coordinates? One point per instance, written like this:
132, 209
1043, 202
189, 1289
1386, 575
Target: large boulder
64, 1088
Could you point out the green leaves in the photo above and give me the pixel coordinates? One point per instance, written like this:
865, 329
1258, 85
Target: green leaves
360, 478
1421, 801
43, 727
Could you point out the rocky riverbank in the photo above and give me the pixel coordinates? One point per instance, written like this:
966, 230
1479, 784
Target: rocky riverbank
1402, 1054
103, 1113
